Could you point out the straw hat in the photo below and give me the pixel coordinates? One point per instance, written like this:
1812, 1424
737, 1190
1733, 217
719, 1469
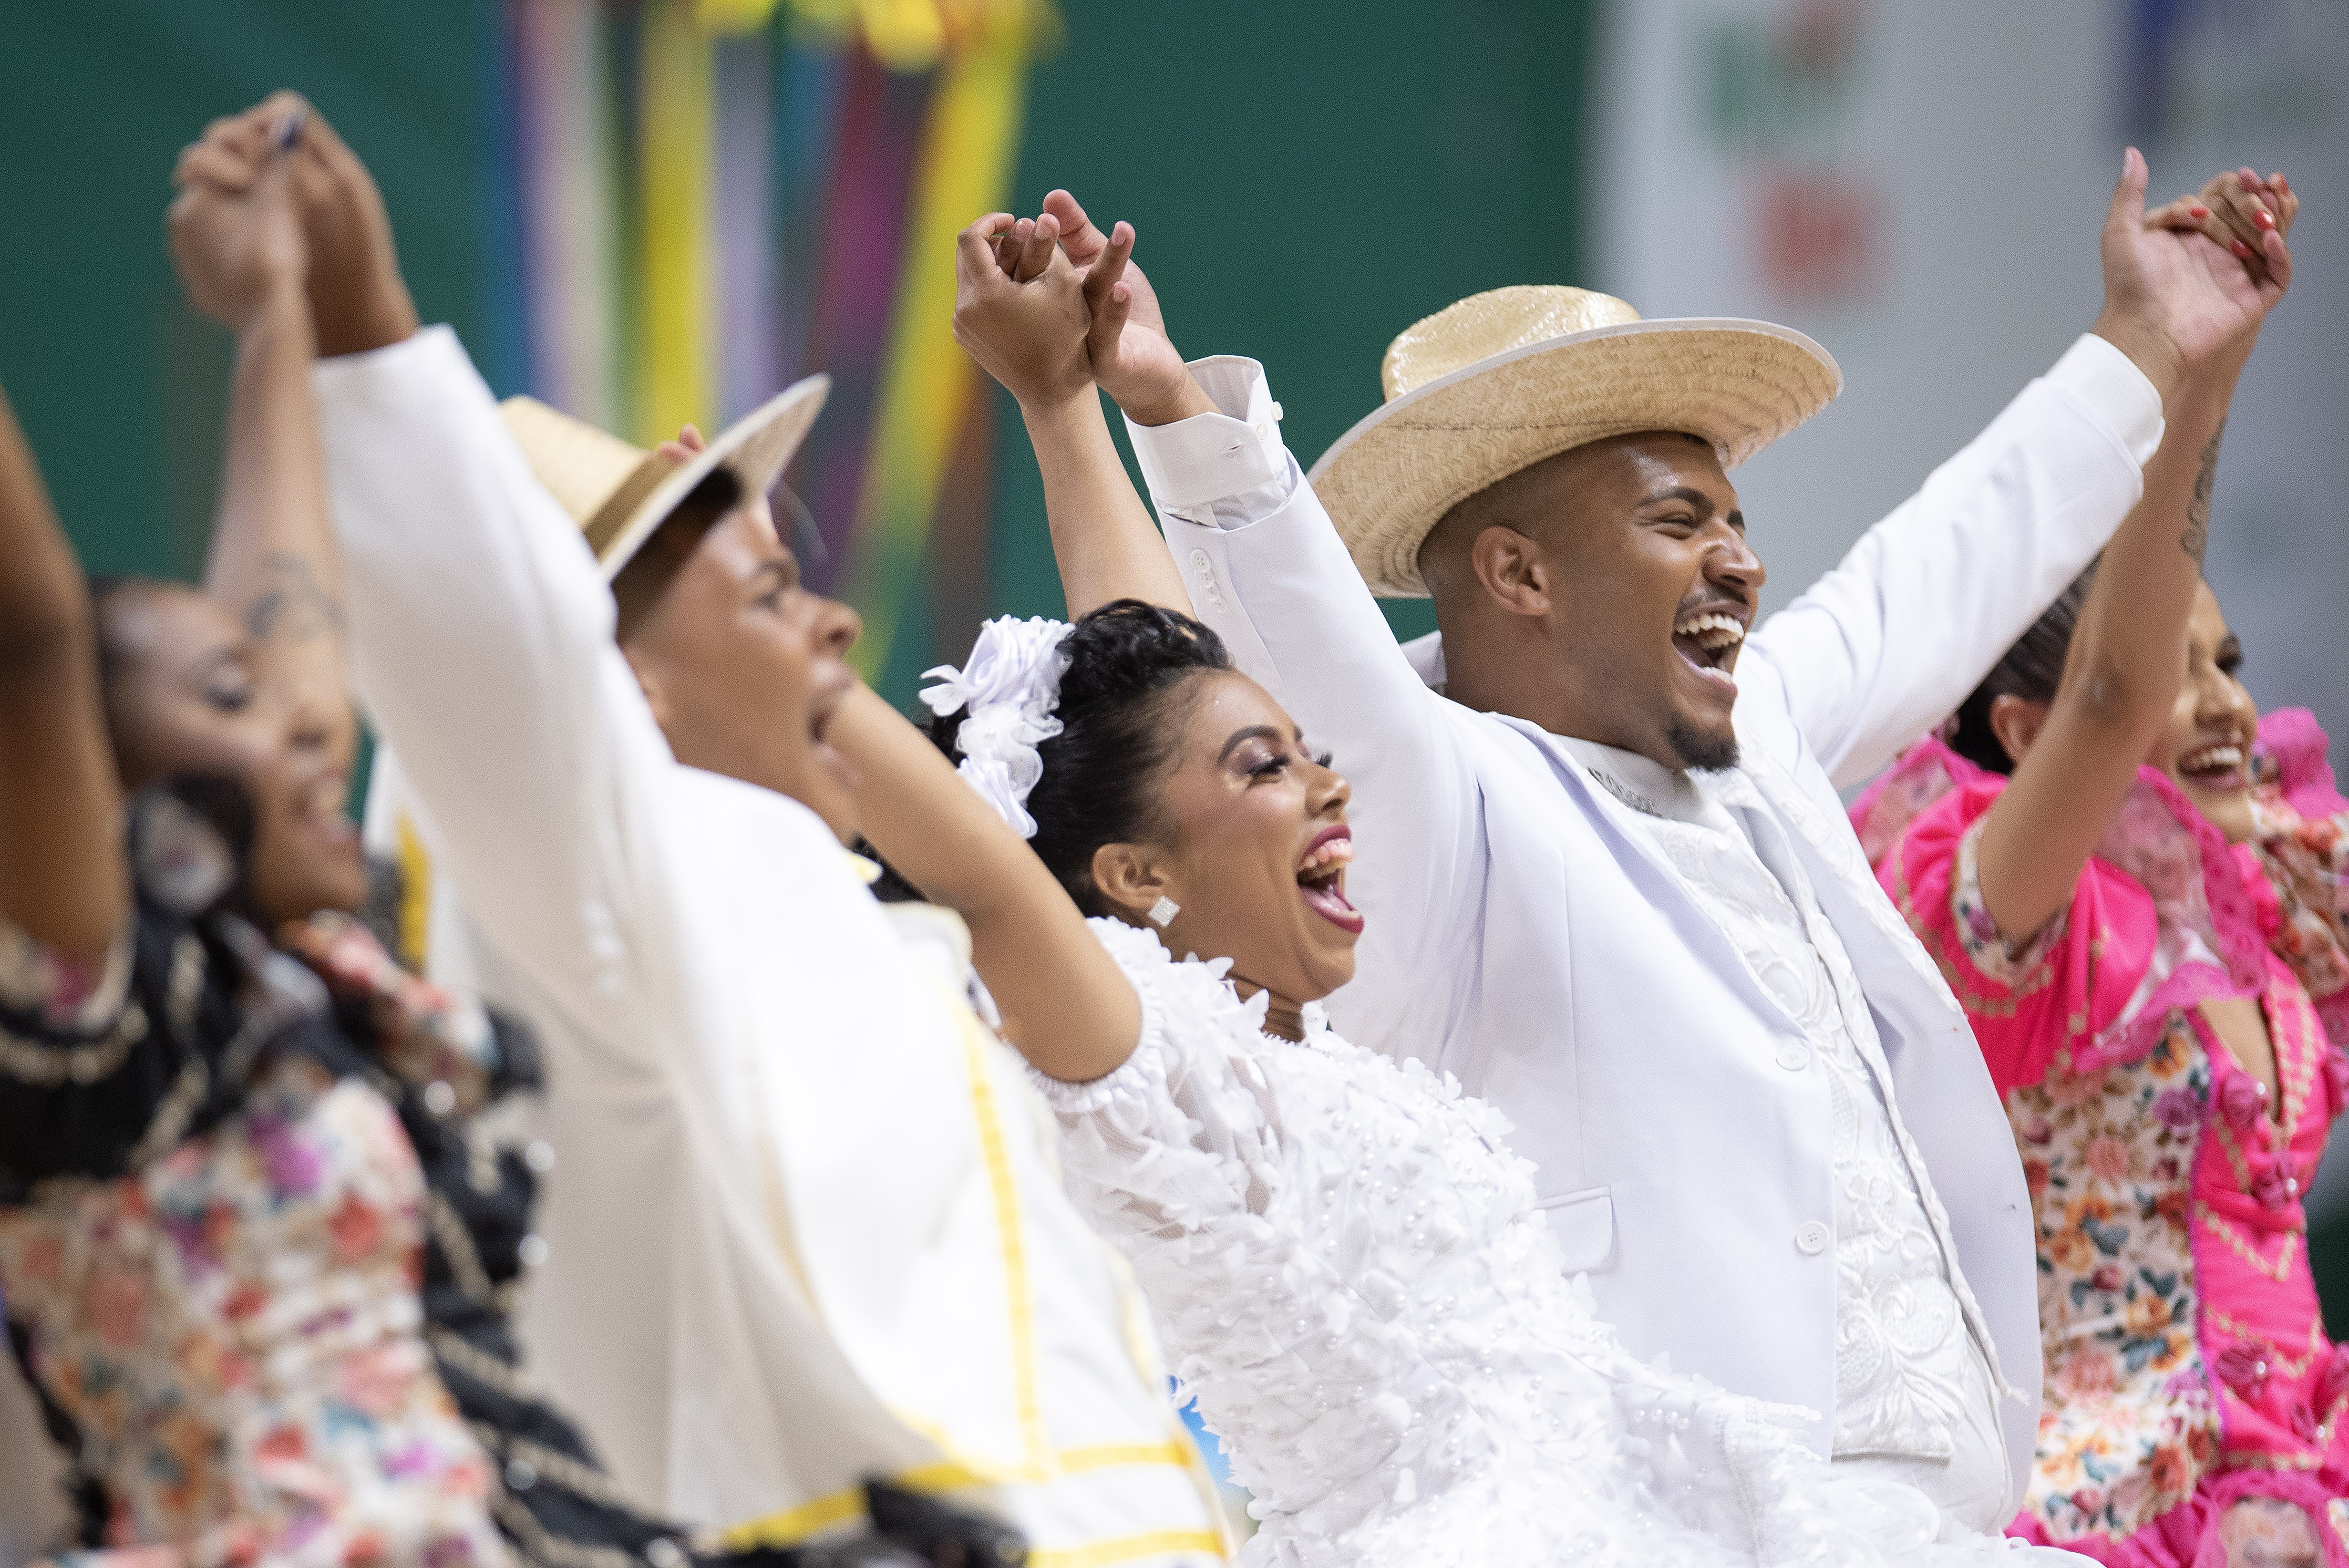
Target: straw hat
619, 493
1502, 380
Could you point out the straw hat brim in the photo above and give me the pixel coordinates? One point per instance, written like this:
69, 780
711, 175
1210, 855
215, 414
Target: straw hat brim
1740, 384
756, 447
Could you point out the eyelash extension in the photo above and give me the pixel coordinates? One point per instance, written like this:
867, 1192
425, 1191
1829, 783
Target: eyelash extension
1325, 758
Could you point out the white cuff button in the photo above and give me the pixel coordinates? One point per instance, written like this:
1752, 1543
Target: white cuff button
1813, 1239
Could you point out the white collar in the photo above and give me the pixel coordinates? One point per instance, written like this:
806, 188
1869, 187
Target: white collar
1642, 783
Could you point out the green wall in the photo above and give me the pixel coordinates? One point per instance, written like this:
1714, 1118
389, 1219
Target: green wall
121, 388
1305, 180
1308, 179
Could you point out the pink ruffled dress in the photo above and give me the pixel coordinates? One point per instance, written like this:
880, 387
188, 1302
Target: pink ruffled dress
2186, 1364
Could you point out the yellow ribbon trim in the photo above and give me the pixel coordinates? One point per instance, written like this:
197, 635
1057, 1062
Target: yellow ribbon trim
414, 919
1004, 1192
1040, 1463
1110, 1456
794, 1526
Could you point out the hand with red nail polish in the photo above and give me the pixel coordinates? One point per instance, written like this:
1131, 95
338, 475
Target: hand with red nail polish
2188, 284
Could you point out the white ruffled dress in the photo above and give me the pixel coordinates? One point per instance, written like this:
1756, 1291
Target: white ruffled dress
1350, 1276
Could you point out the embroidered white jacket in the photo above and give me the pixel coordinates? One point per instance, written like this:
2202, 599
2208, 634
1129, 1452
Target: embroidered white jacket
1526, 935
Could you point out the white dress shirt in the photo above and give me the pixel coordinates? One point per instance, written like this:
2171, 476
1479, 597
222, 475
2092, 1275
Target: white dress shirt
804, 1226
1528, 930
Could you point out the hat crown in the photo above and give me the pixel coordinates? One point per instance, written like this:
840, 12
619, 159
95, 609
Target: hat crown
1491, 323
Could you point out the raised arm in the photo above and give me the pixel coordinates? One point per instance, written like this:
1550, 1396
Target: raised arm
1264, 568
2120, 678
1997, 532
1027, 316
482, 631
243, 260
1066, 1004
63, 879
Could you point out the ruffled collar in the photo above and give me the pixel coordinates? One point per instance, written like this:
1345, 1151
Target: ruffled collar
2200, 883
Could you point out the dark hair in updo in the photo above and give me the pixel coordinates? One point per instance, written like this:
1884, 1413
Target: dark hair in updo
2032, 670
1120, 715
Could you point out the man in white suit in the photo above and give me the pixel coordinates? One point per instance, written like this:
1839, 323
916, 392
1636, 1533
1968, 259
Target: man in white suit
1608, 878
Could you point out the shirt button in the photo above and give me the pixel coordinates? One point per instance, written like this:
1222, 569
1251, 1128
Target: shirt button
1812, 1238
533, 1251
539, 1156
1793, 1057
1263, 430
439, 1099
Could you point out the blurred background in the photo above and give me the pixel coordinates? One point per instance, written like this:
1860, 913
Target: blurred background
655, 211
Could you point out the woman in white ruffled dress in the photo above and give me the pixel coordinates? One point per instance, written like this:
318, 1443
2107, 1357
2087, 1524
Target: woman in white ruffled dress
1343, 1258
1342, 1255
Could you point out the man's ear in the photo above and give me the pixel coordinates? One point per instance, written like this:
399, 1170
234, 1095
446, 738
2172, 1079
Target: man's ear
648, 671
1130, 879
1510, 566
2016, 721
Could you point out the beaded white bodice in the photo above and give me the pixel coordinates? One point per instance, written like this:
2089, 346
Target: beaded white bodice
1348, 1272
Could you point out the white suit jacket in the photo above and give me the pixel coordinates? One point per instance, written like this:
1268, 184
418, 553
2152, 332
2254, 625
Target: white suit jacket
806, 1224
1524, 935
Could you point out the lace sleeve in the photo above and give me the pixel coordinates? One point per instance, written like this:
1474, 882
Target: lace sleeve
2019, 964
1186, 1132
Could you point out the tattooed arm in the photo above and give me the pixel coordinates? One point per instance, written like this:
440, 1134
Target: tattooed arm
2079, 754
237, 235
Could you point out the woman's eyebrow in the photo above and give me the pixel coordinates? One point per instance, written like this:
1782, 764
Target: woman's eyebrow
1253, 732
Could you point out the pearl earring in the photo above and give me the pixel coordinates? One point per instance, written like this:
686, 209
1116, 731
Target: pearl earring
1162, 912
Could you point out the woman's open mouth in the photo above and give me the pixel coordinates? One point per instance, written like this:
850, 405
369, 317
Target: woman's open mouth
320, 809
1709, 642
2216, 767
1321, 877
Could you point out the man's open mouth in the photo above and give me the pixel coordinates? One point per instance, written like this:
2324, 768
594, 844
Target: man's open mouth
1321, 877
1709, 642
2218, 767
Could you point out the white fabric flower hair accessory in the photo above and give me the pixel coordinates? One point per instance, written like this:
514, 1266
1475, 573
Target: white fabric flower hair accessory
1012, 685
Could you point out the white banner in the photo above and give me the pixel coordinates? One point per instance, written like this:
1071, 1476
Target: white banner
1919, 186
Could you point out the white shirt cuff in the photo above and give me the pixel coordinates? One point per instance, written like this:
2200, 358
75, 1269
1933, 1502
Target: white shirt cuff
1192, 463
2111, 384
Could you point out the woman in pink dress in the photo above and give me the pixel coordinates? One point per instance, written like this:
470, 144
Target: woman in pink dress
2135, 885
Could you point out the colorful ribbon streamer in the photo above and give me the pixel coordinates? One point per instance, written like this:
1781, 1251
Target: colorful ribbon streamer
717, 197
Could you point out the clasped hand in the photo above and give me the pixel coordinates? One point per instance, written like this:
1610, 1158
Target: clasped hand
1051, 306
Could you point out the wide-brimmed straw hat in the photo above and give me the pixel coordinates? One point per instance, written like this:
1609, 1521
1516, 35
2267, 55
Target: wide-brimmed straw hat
619, 493
1502, 380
